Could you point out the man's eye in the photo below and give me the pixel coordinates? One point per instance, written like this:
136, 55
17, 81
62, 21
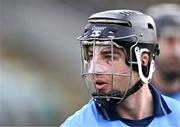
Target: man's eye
108, 56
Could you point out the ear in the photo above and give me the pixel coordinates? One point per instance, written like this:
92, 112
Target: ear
145, 58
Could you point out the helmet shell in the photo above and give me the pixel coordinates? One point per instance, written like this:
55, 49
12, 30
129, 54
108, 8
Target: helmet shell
114, 24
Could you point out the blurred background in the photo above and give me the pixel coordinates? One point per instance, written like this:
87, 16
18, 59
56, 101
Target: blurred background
40, 81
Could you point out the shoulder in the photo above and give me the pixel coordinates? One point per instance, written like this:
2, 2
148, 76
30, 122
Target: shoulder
174, 107
172, 103
77, 119
171, 119
176, 96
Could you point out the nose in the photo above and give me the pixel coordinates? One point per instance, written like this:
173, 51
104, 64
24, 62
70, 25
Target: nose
97, 65
97, 68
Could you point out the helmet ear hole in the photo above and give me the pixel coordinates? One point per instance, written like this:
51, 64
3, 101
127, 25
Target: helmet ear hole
145, 58
150, 26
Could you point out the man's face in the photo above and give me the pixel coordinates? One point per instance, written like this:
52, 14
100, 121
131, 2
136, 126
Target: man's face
169, 58
168, 64
103, 64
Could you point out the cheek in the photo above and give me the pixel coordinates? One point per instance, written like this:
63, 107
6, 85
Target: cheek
121, 83
121, 68
165, 50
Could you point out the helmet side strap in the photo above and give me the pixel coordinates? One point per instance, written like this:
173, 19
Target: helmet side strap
152, 66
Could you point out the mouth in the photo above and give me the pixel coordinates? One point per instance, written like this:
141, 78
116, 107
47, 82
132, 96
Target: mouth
102, 86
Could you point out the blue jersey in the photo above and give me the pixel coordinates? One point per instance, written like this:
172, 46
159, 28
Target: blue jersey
175, 96
166, 113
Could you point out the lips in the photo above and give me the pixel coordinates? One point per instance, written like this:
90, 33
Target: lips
102, 86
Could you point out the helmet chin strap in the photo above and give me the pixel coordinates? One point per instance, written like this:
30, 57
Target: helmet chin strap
152, 66
114, 97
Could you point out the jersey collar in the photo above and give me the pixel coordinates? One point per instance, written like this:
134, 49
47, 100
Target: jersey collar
160, 107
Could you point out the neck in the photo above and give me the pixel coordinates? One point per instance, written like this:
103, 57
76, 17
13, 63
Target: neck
138, 105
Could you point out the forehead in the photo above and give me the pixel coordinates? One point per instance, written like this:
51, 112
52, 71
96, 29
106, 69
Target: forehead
103, 48
170, 32
101, 45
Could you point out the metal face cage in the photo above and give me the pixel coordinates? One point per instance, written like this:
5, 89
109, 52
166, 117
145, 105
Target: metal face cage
88, 62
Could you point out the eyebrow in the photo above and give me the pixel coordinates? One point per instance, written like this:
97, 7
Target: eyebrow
105, 50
